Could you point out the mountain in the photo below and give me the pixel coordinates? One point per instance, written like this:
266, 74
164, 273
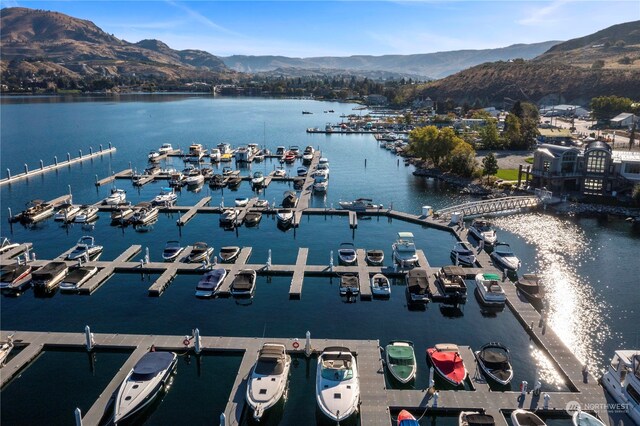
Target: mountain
78, 47
571, 72
428, 65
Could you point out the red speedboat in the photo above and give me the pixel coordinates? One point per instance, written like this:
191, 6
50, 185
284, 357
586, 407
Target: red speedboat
446, 359
289, 157
405, 418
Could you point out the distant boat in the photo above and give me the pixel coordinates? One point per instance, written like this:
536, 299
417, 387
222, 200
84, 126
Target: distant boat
66, 212
401, 360
359, 204
117, 196
5, 349
267, 383
166, 148
36, 211
153, 156
171, 251
201, 252
210, 282
143, 383
307, 112
85, 250
49, 276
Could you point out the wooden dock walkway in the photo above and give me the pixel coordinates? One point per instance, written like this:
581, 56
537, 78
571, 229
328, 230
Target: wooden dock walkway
124, 174
105, 273
57, 165
192, 211
232, 270
157, 288
295, 289
363, 275
16, 251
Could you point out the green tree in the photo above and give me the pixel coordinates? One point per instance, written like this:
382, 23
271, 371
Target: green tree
490, 165
419, 140
604, 108
462, 159
512, 130
490, 136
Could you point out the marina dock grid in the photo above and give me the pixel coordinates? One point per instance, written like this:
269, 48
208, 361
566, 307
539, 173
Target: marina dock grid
378, 403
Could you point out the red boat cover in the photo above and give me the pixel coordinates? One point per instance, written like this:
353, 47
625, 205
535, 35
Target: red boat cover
449, 363
406, 419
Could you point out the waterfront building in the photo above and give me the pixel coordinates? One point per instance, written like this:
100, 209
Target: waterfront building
624, 120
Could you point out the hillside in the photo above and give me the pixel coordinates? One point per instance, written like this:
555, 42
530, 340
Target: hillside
77, 47
563, 74
429, 65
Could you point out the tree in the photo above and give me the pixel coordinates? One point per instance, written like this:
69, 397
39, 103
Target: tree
604, 108
490, 165
598, 64
512, 130
462, 160
419, 140
490, 136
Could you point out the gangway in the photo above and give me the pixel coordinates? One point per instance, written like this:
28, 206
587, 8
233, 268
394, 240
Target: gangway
496, 205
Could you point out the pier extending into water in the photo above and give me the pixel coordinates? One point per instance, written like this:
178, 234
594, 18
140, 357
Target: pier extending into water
56, 164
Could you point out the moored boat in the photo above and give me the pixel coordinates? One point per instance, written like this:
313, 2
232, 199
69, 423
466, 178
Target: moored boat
359, 204
66, 212
347, 254
252, 218
171, 251
503, 255
201, 252
405, 418
349, 285
85, 250
117, 196
144, 213
257, 180
462, 254
244, 283
446, 359
36, 211
489, 289
210, 282
229, 254
229, 217
418, 285
77, 276
49, 276
404, 250
166, 197
522, 417
401, 360
153, 156
380, 285
337, 383
284, 217
267, 383
241, 201
86, 214
15, 275
495, 362
374, 257
280, 172
307, 155
166, 148
290, 200
5, 349
121, 214
530, 285
143, 383
474, 418
622, 381
450, 282
483, 230
581, 418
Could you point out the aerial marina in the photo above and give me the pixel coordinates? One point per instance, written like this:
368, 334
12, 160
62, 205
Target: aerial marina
241, 267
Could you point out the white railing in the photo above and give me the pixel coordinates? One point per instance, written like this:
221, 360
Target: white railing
495, 205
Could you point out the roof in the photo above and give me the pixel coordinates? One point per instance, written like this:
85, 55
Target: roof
555, 150
622, 116
555, 133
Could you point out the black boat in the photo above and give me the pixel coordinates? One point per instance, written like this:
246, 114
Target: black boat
15, 275
252, 218
229, 254
495, 362
473, 418
290, 200
531, 287
49, 276
77, 276
234, 182
217, 181
244, 283
418, 285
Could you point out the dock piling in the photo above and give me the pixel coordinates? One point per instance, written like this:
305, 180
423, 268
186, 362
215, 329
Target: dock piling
78, 414
100, 147
8, 174
436, 395
269, 260
307, 345
55, 160
197, 341
431, 381
331, 261
26, 169
89, 340
68, 157
147, 259
41, 165
546, 399
80, 153
90, 150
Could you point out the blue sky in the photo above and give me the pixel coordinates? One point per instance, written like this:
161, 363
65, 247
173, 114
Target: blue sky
342, 28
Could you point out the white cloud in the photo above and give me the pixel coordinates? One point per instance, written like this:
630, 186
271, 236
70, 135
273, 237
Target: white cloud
9, 3
198, 17
544, 15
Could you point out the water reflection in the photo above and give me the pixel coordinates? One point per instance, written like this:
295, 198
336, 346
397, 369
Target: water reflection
561, 247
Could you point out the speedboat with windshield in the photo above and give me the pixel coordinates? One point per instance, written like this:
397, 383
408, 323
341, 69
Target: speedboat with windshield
66, 212
404, 249
166, 197
380, 285
489, 289
258, 180
503, 255
210, 282
143, 383
483, 230
359, 204
268, 380
171, 251
337, 383
86, 214
462, 254
86, 249
201, 252
117, 196
446, 359
347, 254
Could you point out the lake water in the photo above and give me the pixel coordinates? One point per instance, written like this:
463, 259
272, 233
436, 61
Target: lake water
588, 264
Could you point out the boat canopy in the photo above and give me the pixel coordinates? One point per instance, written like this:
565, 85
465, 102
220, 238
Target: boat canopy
494, 356
405, 235
491, 277
153, 363
480, 419
446, 347
271, 361
400, 352
453, 270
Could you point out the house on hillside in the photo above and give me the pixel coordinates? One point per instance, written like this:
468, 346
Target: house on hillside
596, 170
624, 120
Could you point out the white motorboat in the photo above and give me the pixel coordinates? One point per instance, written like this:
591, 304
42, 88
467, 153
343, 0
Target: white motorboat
86, 249
483, 230
5, 349
495, 362
404, 250
323, 160
229, 217
7, 245
261, 204
67, 212
503, 254
580, 418
462, 254
267, 383
320, 184
15, 275
210, 282
417, 285
36, 211
374, 257
144, 213
117, 196
380, 285
280, 151
622, 381
166, 197
196, 153
349, 285
121, 214
225, 148
229, 172
301, 171
148, 377
323, 168
176, 178
244, 283
201, 252
359, 204
489, 289
284, 217
242, 201
280, 172
194, 177
171, 251
86, 214
229, 253
337, 383
347, 254
401, 360
166, 148
153, 156
258, 180
49, 276
474, 418
307, 155
522, 417
77, 276
215, 155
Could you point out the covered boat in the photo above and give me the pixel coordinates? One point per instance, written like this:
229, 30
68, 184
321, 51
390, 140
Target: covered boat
446, 359
349, 285
201, 252
404, 249
401, 360
66, 212
530, 285
450, 282
495, 362
284, 217
462, 254
474, 418
347, 254
258, 180
522, 417
580, 418
143, 383
14, 275
405, 418
418, 285
337, 383
242, 201
117, 196
359, 204
290, 200
229, 217
171, 251
86, 214
489, 289
244, 283
229, 253
252, 218
121, 214
49, 276
85, 250
77, 276
374, 257
380, 285
210, 282
268, 380
36, 211
144, 213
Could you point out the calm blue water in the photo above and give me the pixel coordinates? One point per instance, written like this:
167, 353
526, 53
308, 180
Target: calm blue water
583, 260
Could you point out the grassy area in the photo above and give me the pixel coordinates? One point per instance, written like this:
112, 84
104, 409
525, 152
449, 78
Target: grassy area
507, 174
529, 160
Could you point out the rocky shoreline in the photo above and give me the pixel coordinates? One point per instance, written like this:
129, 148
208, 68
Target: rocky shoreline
467, 185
